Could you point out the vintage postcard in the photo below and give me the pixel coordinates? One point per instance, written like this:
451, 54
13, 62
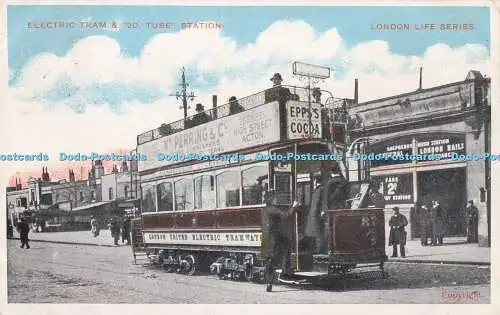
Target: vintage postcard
305, 153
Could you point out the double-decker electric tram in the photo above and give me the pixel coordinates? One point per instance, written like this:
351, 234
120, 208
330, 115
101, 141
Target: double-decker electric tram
202, 201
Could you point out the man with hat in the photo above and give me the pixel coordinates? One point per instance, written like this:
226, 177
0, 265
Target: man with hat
277, 92
337, 188
277, 235
200, 117
281, 95
234, 106
23, 229
472, 222
397, 236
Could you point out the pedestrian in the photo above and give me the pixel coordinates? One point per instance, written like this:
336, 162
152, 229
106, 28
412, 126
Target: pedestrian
277, 234
114, 228
425, 225
23, 228
94, 226
472, 222
397, 236
437, 224
126, 230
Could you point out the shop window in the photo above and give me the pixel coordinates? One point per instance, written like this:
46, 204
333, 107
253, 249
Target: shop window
184, 194
204, 192
228, 189
165, 196
148, 201
46, 199
254, 180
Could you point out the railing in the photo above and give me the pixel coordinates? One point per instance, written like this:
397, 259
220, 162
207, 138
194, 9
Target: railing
333, 106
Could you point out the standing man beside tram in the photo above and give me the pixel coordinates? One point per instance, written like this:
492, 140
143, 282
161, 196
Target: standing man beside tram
277, 235
397, 236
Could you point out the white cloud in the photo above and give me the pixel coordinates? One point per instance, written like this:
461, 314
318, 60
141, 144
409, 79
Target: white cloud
239, 71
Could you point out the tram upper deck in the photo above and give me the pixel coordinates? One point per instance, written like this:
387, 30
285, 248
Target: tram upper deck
276, 115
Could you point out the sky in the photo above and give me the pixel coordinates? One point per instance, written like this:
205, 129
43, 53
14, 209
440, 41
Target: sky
97, 89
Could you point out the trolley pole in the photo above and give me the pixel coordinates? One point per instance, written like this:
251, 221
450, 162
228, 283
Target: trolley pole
295, 193
313, 74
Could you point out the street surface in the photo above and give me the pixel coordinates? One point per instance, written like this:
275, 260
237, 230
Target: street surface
60, 273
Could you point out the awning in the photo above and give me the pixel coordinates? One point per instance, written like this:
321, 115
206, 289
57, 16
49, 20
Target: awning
92, 205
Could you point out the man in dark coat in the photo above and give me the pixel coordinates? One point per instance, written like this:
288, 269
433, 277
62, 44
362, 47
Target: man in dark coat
472, 222
281, 95
425, 224
23, 228
277, 235
397, 236
337, 189
126, 230
114, 227
437, 224
234, 106
200, 117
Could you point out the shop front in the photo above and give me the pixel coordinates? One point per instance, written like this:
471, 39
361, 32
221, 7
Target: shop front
416, 180
421, 144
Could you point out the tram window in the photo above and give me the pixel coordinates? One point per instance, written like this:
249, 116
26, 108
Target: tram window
148, 199
184, 194
228, 189
204, 192
165, 196
253, 179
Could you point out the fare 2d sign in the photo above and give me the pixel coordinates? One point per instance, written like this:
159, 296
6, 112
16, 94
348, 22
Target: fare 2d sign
303, 121
397, 188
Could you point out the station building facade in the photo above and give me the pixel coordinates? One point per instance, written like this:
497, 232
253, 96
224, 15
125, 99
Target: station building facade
450, 120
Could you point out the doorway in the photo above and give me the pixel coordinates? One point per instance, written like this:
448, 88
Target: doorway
449, 188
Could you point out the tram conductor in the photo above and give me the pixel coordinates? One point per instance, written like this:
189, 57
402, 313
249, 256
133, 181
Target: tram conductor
277, 235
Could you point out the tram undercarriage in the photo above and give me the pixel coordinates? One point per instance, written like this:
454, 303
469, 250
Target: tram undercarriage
249, 267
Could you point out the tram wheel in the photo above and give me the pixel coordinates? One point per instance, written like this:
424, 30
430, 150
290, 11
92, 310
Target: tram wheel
190, 269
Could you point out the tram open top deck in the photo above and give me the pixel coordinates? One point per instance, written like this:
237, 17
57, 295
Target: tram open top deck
274, 116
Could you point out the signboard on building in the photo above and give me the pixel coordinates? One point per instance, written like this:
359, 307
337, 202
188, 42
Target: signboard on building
441, 144
396, 188
257, 126
246, 239
303, 121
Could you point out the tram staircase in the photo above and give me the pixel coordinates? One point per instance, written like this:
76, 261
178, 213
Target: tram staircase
139, 250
